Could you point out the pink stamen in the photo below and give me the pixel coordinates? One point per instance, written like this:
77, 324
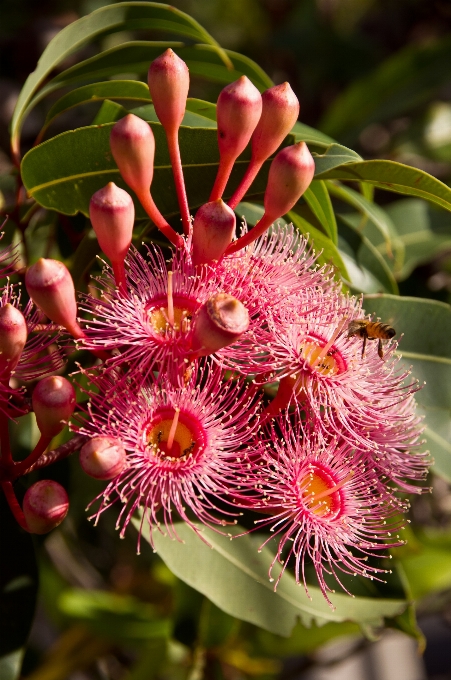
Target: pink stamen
173, 429
170, 301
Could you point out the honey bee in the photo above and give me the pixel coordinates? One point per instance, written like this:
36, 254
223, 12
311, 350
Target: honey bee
371, 330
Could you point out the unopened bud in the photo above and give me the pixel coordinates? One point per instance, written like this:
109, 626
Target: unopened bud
238, 111
45, 505
53, 402
133, 147
50, 286
218, 323
279, 113
13, 336
112, 216
290, 174
213, 230
103, 458
168, 80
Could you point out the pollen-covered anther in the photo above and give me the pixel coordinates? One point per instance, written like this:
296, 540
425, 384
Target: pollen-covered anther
219, 323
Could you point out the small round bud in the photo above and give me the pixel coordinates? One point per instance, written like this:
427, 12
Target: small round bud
133, 147
50, 286
168, 80
45, 505
53, 402
238, 111
103, 458
280, 111
219, 323
112, 216
13, 336
290, 174
213, 230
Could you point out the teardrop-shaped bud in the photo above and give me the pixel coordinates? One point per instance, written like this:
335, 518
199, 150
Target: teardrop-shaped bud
218, 323
50, 286
13, 336
112, 216
103, 458
133, 147
53, 402
168, 80
45, 505
213, 230
238, 111
280, 111
290, 174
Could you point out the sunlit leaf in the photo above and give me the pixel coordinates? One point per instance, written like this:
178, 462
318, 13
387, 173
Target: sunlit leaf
318, 199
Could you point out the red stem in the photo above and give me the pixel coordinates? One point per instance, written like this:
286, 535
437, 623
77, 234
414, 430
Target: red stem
251, 235
14, 505
19, 468
177, 170
157, 218
222, 177
59, 453
119, 276
249, 176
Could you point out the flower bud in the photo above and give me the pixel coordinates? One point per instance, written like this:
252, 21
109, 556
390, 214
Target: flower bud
168, 80
238, 111
103, 458
45, 505
13, 336
50, 286
280, 111
218, 323
213, 230
53, 402
290, 174
112, 216
133, 147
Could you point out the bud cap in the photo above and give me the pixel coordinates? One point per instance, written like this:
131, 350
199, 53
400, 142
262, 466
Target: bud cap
213, 230
238, 111
45, 505
280, 111
13, 336
133, 147
53, 402
290, 174
103, 458
112, 216
219, 323
168, 80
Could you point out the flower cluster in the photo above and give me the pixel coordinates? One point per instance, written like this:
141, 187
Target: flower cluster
234, 374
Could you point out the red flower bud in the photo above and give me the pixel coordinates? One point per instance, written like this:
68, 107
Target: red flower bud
50, 286
168, 80
133, 147
213, 230
45, 505
290, 174
112, 216
103, 458
53, 402
13, 336
279, 113
218, 323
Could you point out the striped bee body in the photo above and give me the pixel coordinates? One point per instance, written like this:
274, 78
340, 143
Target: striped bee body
371, 330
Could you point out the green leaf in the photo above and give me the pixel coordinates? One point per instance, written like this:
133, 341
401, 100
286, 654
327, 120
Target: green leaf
305, 133
252, 212
324, 247
392, 176
18, 591
423, 231
63, 172
110, 19
368, 271
193, 118
399, 84
426, 329
304, 640
371, 212
318, 199
333, 157
234, 576
114, 616
126, 90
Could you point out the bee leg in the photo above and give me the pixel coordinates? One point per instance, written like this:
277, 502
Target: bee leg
380, 351
364, 345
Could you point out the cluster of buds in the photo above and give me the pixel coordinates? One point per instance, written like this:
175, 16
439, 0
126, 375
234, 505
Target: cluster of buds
232, 378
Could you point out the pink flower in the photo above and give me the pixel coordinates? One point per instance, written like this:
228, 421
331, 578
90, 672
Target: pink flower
326, 505
185, 447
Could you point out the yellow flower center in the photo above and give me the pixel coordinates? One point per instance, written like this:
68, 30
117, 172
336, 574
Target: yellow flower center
312, 352
173, 436
320, 492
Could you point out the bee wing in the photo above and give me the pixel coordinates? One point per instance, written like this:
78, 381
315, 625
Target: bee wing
355, 326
